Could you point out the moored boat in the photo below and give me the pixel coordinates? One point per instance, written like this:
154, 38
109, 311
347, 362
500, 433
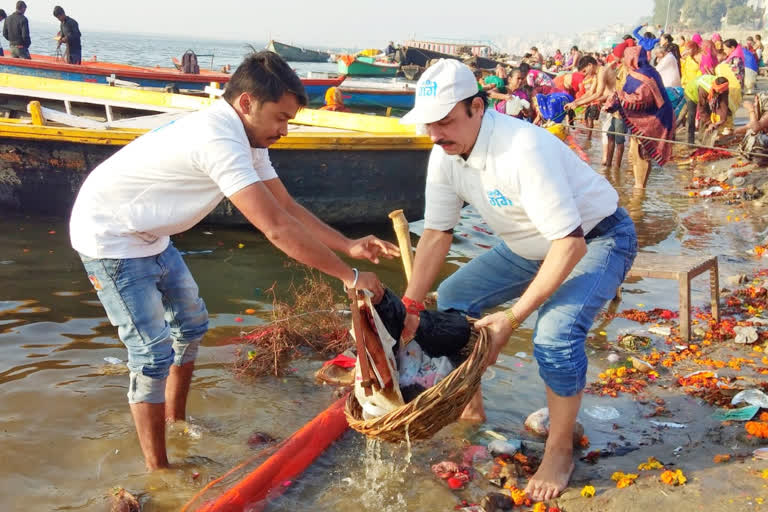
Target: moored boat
378, 95
343, 175
154, 78
366, 66
296, 54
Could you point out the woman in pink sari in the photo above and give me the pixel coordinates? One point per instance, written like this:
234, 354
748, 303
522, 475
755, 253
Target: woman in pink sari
735, 59
709, 58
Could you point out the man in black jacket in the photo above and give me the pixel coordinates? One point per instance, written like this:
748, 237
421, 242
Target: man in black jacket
70, 35
16, 31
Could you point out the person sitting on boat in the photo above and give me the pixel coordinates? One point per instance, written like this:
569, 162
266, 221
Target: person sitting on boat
69, 34
3, 16
16, 31
566, 244
334, 100
165, 182
390, 49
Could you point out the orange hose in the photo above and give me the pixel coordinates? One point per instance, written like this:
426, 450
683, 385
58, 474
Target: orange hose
294, 456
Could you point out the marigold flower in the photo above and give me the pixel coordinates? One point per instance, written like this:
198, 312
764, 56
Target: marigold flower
757, 429
584, 442
540, 507
673, 477
518, 495
652, 463
588, 491
764, 416
722, 458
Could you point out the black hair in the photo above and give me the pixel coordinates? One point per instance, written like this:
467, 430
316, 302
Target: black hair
668, 37
627, 36
534, 49
648, 35
730, 43
721, 80
524, 69
267, 77
468, 101
574, 47
20, 5
2, 14
527, 55
58, 11
585, 61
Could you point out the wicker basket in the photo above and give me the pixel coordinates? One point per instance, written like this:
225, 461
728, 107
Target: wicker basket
434, 408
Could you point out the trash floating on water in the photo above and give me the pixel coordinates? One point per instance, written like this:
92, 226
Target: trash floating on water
602, 412
640, 365
613, 358
521, 355
661, 331
743, 414
510, 448
538, 423
113, 360
260, 438
752, 397
745, 335
667, 424
634, 342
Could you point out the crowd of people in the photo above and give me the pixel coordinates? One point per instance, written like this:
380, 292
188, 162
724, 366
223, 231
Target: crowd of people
647, 84
16, 32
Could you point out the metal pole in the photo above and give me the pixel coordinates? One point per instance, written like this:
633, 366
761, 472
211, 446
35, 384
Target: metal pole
669, 3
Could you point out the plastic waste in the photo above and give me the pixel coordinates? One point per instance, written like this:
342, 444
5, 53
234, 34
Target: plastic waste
667, 424
745, 335
634, 342
742, 414
113, 360
602, 412
761, 453
751, 397
510, 447
661, 331
640, 365
521, 355
613, 358
538, 423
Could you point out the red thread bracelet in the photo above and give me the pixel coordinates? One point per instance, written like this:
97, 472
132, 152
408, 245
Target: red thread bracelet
413, 307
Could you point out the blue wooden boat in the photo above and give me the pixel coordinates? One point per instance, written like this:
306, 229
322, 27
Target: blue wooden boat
381, 97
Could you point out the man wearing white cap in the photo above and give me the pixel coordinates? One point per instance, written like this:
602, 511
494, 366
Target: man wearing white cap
566, 246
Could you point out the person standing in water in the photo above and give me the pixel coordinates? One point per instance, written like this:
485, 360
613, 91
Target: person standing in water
165, 182
566, 245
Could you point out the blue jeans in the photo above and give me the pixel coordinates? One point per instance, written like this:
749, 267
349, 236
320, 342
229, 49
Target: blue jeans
565, 318
160, 318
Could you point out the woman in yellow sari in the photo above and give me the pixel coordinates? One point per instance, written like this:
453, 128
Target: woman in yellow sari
689, 72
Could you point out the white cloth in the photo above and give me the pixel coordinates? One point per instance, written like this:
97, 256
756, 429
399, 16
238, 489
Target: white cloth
669, 71
526, 184
164, 183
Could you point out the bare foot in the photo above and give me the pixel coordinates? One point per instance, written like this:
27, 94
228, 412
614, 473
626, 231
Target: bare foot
474, 411
552, 476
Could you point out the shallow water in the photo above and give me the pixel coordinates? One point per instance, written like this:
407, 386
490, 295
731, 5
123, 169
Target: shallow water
66, 432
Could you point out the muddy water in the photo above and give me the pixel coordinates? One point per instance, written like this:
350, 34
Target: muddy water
66, 436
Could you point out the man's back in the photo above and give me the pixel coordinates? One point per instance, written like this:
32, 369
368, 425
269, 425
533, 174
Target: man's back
16, 30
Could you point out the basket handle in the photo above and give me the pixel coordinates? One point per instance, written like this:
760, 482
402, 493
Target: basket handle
362, 354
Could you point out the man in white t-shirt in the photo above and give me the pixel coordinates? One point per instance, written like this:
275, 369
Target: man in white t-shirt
565, 248
164, 183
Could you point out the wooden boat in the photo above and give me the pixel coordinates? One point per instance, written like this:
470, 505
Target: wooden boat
156, 78
414, 56
346, 168
378, 95
366, 66
296, 54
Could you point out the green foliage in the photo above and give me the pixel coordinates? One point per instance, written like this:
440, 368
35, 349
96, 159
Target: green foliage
705, 14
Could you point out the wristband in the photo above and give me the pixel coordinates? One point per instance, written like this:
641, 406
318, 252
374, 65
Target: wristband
413, 307
512, 318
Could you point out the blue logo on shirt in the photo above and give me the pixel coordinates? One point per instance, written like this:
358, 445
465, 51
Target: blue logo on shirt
428, 88
496, 198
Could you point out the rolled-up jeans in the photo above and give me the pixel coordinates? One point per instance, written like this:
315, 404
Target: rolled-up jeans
160, 318
564, 320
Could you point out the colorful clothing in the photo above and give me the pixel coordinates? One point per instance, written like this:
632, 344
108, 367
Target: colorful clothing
677, 99
708, 58
690, 71
735, 60
645, 107
551, 105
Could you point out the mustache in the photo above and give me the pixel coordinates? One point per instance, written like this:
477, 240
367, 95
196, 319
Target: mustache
444, 142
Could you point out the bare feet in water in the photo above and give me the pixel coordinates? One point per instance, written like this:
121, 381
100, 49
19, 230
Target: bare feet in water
552, 476
474, 411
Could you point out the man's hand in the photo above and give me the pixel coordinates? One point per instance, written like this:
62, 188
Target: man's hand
410, 327
569, 106
371, 248
500, 329
368, 281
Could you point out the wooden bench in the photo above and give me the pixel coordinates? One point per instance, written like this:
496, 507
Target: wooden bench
682, 269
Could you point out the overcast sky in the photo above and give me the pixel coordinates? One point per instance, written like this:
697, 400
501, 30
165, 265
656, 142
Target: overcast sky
359, 23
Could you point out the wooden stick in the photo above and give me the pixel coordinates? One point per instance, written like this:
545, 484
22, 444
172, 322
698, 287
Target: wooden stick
362, 353
400, 223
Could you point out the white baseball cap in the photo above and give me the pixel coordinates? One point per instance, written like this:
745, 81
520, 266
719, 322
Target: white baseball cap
439, 89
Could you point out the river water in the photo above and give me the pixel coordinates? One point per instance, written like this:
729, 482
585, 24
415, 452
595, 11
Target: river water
66, 433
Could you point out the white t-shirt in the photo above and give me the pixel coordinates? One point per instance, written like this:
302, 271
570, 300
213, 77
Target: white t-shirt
669, 70
164, 183
526, 184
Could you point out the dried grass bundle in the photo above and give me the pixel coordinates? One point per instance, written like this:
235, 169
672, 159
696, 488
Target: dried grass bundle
310, 322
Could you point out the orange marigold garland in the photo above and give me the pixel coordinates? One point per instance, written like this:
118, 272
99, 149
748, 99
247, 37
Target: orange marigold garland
673, 477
